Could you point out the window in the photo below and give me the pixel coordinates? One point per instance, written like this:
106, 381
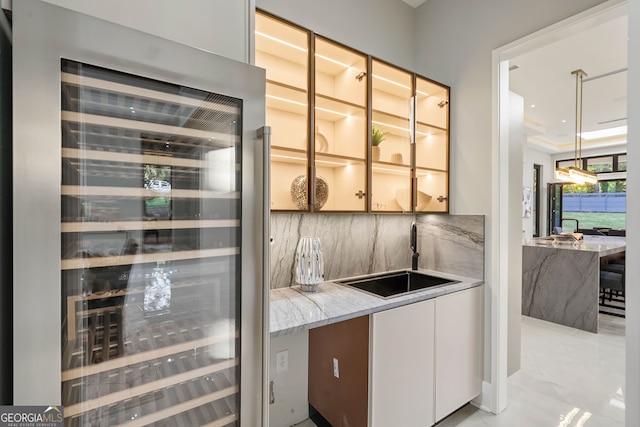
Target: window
622, 163
597, 206
600, 164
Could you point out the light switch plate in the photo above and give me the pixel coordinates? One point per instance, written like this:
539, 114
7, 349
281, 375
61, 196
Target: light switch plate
336, 369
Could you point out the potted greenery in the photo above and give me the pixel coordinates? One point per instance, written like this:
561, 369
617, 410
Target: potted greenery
377, 136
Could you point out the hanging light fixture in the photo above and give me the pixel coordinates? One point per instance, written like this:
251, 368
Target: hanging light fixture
575, 174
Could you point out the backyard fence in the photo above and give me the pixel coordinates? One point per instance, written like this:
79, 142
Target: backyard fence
594, 202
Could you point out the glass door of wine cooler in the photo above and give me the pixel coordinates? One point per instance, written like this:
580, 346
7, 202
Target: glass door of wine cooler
150, 250
149, 265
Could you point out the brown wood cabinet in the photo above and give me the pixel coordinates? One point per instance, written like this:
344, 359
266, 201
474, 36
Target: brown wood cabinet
342, 400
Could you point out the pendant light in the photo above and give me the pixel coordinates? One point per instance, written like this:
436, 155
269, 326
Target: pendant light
575, 174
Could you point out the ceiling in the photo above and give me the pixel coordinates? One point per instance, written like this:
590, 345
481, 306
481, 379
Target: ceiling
543, 77
414, 3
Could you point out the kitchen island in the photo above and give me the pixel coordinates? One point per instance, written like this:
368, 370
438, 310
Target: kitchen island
560, 281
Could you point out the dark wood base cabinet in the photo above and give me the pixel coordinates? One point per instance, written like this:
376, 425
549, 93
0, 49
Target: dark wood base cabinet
342, 400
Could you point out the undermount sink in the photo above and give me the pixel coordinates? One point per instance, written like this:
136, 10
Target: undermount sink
387, 285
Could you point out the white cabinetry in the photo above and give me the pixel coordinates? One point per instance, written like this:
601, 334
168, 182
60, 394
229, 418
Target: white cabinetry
402, 357
424, 362
458, 349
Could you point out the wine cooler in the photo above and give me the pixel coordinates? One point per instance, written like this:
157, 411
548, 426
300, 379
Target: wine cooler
139, 205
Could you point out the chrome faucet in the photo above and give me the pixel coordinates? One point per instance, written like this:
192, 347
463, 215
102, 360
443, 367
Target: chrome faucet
414, 246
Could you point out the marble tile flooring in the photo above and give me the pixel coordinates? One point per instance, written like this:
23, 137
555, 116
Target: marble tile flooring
569, 378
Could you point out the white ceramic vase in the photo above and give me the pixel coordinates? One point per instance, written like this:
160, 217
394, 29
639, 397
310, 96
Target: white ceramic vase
309, 266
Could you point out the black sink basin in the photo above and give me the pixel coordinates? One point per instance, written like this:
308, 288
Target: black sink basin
388, 285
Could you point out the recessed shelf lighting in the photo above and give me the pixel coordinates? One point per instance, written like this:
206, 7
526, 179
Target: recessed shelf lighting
280, 156
333, 112
275, 39
390, 126
396, 171
326, 58
391, 81
328, 162
324, 162
286, 100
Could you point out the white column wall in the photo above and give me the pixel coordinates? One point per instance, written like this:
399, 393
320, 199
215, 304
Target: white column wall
454, 44
516, 146
632, 387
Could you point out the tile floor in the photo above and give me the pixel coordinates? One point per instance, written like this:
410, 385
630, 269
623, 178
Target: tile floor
569, 378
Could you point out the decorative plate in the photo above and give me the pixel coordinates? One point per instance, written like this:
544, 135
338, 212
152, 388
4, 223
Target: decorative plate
299, 192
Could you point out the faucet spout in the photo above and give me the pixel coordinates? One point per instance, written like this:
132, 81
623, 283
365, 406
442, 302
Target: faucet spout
414, 246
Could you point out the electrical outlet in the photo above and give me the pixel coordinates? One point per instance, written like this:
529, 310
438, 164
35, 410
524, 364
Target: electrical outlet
336, 369
282, 361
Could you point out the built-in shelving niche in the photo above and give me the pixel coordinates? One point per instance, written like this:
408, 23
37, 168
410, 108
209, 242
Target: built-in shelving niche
324, 99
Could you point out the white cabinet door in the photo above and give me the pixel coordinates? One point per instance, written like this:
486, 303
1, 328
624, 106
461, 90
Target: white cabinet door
458, 349
402, 353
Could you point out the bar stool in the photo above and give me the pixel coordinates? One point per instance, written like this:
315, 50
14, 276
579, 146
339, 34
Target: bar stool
610, 282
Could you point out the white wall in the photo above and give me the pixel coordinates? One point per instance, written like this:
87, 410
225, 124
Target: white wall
632, 386
517, 141
289, 387
455, 39
455, 42
382, 28
532, 156
219, 26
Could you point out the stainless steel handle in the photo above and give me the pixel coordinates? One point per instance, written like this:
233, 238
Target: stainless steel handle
264, 133
412, 120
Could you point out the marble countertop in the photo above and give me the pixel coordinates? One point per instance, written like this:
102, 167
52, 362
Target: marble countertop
292, 309
604, 245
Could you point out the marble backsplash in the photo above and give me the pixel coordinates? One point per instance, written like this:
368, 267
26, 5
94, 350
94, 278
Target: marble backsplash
355, 244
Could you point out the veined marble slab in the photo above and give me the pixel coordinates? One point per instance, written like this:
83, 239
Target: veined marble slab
452, 243
357, 244
603, 245
561, 286
292, 309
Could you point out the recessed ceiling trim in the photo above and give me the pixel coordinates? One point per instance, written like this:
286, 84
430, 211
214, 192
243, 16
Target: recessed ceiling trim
599, 76
611, 121
532, 129
414, 3
543, 146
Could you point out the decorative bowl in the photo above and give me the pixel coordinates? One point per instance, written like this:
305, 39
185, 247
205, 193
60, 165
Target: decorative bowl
403, 195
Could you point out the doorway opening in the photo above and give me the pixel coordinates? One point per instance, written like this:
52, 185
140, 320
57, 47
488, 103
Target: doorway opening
503, 218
